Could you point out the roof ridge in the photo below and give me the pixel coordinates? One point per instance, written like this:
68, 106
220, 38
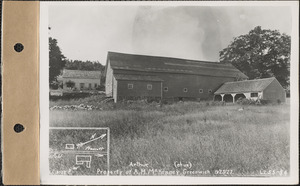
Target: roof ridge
192, 60
251, 80
83, 70
138, 62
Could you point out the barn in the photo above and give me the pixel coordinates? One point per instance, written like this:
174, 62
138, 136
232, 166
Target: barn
130, 76
80, 79
265, 89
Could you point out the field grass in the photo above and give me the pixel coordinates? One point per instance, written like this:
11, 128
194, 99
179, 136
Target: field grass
210, 137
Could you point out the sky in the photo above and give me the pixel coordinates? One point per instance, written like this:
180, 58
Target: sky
88, 32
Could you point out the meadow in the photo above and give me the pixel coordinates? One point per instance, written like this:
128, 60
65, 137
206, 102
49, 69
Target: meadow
223, 140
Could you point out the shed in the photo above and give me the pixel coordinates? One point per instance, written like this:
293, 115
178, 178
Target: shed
265, 89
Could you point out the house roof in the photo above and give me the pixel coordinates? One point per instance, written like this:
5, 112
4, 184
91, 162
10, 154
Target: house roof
171, 65
81, 74
136, 77
255, 85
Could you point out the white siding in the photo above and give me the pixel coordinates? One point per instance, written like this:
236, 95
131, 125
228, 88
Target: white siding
77, 82
109, 80
115, 89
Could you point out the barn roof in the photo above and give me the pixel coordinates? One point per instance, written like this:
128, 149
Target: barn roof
81, 74
255, 85
137, 77
171, 65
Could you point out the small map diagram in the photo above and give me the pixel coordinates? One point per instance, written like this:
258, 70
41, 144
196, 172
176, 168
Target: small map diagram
78, 151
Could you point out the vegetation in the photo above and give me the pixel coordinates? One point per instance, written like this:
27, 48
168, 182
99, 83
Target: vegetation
210, 136
70, 84
84, 65
56, 61
261, 53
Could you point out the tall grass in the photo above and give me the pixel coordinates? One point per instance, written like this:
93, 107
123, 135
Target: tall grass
210, 137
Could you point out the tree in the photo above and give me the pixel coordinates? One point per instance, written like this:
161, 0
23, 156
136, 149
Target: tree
70, 84
260, 54
56, 60
84, 65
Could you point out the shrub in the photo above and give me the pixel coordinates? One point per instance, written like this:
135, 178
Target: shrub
278, 101
265, 102
70, 84
245, 101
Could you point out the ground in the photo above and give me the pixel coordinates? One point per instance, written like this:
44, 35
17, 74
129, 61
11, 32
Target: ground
219, 140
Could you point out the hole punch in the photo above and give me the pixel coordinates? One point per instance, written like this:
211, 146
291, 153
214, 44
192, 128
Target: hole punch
18, 128
18, 47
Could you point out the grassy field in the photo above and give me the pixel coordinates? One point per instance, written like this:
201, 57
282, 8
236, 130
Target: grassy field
211, 137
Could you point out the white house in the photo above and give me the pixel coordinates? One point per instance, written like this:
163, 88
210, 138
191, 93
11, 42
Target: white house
80, 79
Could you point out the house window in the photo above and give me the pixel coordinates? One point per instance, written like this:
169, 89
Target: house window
209, 91
254, 94
95, 85
166, 89
149, 87
185, 90
130, 86
200, 90
90, 86
81, 86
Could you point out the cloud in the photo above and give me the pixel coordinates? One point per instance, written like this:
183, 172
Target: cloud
87, 32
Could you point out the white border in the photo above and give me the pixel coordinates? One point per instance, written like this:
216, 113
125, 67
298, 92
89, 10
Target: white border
174, 180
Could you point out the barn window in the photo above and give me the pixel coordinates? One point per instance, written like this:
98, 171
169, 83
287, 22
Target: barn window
209, 91
200, 90
81, 86
166, 89
185, 90
254, 94
149, 87
130, 86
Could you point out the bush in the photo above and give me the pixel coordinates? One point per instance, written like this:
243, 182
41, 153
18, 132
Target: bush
265, 102
278, 101
245, 101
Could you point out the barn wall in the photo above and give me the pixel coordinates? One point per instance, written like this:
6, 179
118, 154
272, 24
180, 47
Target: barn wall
109, 80
274, 92
193, 83
77, 82
139, 89
177, 82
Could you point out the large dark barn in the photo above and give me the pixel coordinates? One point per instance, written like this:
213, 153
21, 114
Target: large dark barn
151, 77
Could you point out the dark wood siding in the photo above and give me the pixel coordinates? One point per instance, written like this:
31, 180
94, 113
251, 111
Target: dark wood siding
274, 91
177, 82
139, 89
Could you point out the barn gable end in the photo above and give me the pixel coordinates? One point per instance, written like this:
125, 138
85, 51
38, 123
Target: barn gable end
108, 79
274, 92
